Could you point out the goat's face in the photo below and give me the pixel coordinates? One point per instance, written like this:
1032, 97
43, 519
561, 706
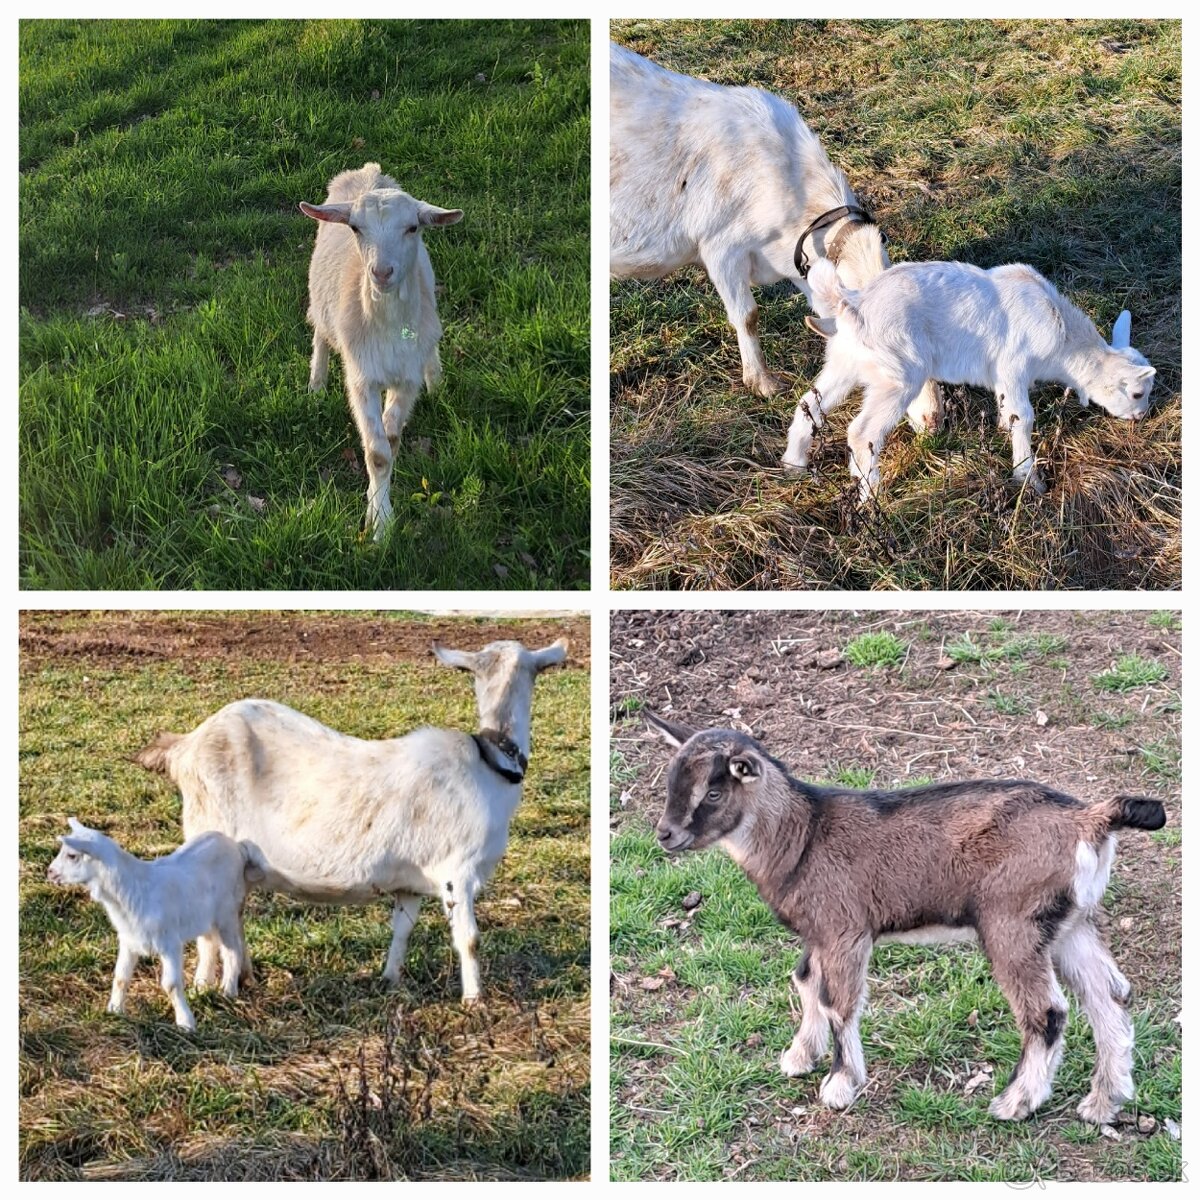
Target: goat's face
712, 782
1122, 385
386, 224
73, 863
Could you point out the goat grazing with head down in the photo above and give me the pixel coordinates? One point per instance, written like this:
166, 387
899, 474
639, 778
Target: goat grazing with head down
334, 819
1018, 865
733, 180
1002, 329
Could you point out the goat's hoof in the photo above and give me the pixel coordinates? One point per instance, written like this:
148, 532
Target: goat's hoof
472, 1001
1097, 1108
188, 1026
1011, 1105
838, 1091
116, 1009
794, 468
766, 385
1032, 481
795, 1062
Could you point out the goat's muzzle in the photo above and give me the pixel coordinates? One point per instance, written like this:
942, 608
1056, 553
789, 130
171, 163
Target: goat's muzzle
673, 840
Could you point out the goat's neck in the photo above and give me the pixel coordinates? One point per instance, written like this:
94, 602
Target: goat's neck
121, 881
506, 706
773, 839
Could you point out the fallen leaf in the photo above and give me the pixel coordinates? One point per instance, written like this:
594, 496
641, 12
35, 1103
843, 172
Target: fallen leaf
981, 1080
500, 570
232, 476
257, 503
944, 663
1146, 1124
1172, 1127
1041, 718
358, 143
1113, 1135
692, 900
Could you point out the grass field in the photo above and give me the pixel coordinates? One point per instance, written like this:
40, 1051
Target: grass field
168, 439
318, 1071
702, 1006
1052, 143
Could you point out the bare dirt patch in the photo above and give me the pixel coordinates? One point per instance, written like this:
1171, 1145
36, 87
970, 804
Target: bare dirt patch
280, 636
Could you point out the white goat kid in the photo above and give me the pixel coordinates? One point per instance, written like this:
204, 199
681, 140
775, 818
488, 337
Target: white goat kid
731, 179
372, 299
338, 820
157, 907
1002, 329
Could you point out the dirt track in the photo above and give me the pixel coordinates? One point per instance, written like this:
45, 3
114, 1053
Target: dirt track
280, 636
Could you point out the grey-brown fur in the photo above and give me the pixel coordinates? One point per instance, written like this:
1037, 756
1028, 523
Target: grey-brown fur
1019, 865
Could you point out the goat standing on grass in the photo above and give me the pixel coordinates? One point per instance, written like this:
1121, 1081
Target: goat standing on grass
1002, 329
338, 820
731, 179
372, 299
157, 907
1016, 864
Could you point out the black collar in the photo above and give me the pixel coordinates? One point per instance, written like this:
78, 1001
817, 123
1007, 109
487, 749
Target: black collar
500, 752
859, 216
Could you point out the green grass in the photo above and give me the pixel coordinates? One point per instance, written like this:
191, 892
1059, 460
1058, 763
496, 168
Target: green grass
1128, 672
876, 650
999, 646
697, 1095
1053, 143
167, 436
1008, 706
1164, 620
318, 1071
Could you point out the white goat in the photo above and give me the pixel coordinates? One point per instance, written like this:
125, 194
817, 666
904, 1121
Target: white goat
1002, 329
732, 179
337, 820
157, 907
372, 299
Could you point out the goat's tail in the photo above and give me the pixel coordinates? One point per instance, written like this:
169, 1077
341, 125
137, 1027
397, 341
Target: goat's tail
1137, 812
155, 757
831, 298
255, 870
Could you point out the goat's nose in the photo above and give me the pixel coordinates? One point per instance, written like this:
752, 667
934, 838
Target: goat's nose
664, 835
383, 274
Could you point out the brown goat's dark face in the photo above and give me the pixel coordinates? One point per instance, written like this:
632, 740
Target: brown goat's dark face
707, 787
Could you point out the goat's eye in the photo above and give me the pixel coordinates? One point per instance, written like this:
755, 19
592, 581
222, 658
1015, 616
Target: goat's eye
713, 795
412, 229
355, 230
1137, 395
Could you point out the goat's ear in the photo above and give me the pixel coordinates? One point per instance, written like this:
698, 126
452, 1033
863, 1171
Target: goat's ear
432, 215
1120, 333
673, 733
745, 766
464, 660
1146, 373
77, 826
339, 213
825, 326
551, 656
76, 844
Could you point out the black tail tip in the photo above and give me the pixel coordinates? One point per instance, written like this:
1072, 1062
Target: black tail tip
1140, 812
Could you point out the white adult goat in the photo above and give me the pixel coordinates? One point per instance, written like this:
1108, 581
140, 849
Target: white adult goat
372, 299
157, 907
731, 179
1002, 329
337, 820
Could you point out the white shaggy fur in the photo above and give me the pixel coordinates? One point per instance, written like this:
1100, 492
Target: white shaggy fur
372, 299
157, 907
1002, 329
338, 820
728, 178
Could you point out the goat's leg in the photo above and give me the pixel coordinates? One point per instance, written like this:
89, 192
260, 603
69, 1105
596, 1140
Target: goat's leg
398, 404
884, 404
1026, 977
127, 960
459, 899
927, 413
377, 454
207, 950
1103, 992
405, 911
832, 386
172, 982
730, 273
842, 992
1016, 418
233, 950
318, 370
812, 1038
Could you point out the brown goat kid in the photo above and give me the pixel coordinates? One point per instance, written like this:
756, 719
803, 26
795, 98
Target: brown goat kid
1018, 865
